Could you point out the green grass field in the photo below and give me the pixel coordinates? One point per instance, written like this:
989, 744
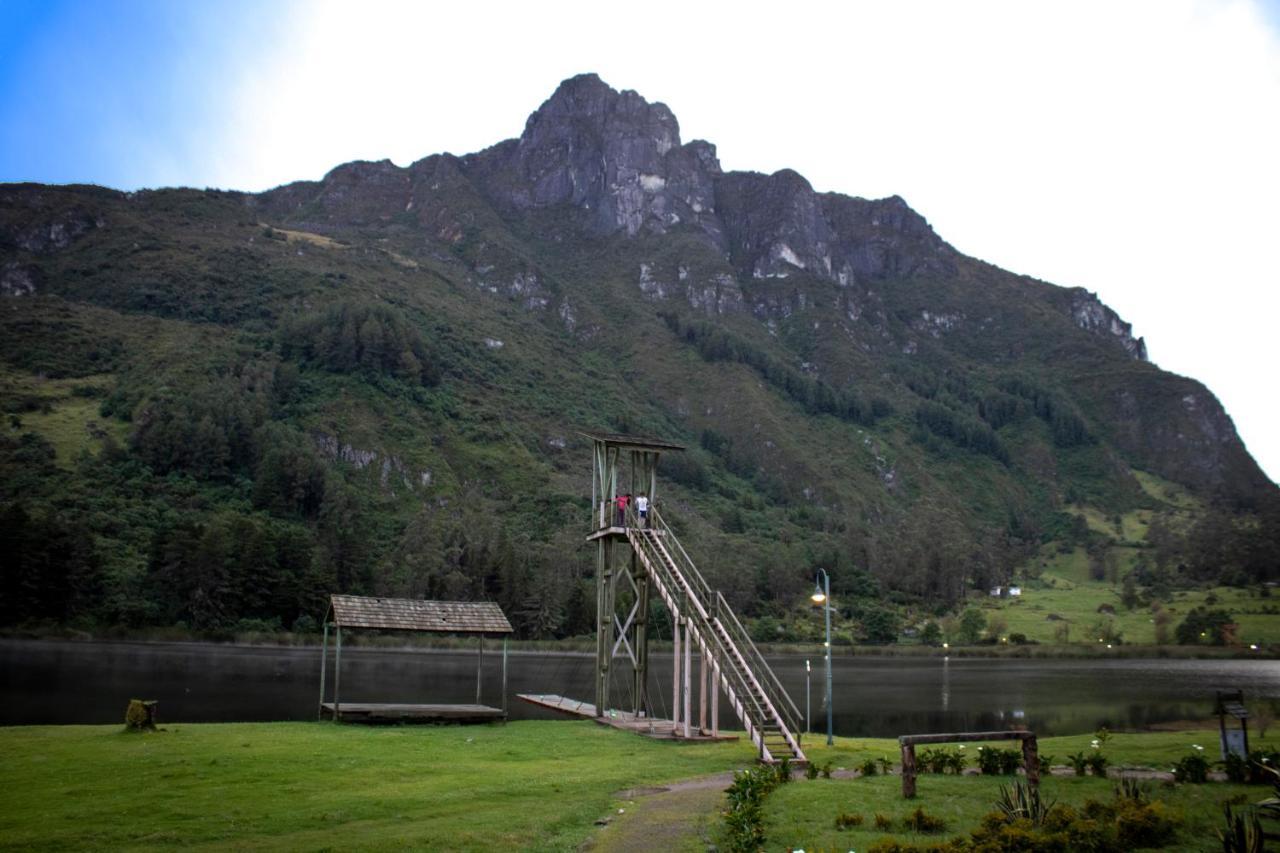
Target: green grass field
526, 785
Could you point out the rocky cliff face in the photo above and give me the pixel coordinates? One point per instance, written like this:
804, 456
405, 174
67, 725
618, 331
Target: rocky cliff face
858, 285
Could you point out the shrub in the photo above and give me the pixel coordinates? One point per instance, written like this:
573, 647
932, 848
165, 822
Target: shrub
1237, 768
868, 767
1079, 763
811, 770
1193, 768
826, 770
995, 762
140, 716
845, 820
883, 821
920, 821
1046, 764
941, 761
1097, 764
744, 819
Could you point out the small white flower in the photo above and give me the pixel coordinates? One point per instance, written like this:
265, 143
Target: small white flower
1094, 743
1197, 747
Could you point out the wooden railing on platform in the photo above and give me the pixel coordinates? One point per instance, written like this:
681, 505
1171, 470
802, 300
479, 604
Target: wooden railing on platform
1030, 755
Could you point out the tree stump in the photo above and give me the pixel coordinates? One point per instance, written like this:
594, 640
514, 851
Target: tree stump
140, 716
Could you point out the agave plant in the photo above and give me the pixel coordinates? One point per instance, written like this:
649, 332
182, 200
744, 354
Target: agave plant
1021, 800
1243, 832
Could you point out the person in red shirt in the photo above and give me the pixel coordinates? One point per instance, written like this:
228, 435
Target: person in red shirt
622, 501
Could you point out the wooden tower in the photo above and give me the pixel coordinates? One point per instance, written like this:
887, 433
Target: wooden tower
621, 464
639, 558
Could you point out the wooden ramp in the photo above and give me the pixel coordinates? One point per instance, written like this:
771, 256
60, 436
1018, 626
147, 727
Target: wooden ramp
389, 712
653, 727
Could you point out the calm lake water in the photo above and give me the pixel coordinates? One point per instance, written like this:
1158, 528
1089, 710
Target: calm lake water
65, 682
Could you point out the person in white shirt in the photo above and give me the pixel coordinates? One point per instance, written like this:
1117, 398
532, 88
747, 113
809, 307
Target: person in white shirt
642, 507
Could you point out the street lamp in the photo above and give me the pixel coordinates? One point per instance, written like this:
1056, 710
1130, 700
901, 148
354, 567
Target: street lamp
822, 595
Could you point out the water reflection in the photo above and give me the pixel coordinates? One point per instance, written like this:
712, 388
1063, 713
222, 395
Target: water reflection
57, 682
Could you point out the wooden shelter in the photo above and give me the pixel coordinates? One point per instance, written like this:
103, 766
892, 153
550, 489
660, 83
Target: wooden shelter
469, 618
1230, 703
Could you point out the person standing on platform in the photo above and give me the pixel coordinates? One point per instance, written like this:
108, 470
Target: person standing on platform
642, 509
621, 501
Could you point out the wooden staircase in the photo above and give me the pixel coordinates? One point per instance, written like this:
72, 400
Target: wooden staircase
771, 719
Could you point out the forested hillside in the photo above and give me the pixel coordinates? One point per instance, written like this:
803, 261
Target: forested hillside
221, 407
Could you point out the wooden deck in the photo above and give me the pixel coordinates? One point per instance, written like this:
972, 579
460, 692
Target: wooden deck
389, 712
653, 727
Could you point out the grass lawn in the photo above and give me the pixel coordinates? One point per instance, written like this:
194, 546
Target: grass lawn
526, 785
313, 786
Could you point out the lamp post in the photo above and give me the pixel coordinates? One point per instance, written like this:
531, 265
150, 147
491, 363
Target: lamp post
808, 717
822, 595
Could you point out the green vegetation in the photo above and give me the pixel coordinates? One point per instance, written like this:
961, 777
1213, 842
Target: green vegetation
215, 416
527, 785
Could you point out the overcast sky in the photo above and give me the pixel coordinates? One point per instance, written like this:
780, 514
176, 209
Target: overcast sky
1128, 147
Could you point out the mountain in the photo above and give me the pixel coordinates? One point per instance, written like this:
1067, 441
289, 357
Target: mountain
224, 406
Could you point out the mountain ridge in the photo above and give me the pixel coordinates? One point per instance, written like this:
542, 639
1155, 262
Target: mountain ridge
413, 347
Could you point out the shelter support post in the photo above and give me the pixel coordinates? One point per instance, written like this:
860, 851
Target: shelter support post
324, 665
504, 678
337, 675
479, 664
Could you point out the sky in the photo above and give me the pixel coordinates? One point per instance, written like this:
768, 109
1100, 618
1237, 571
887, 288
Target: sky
1131, 147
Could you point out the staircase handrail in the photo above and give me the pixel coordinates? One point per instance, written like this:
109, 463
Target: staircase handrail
773, 687
729, 670
713, 602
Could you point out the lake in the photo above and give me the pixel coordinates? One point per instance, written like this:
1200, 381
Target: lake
69, 682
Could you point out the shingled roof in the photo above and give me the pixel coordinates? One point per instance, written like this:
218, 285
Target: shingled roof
409, 614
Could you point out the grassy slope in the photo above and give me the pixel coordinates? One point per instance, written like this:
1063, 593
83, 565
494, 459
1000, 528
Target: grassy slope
526, 785
286, 786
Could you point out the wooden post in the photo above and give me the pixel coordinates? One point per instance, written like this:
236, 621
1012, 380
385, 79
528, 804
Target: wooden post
908, 770
504, 677
479, 665
702, 690
640, 688
1031, 760
675, 678
688, 671
337, 675
715, 699
324, 665
604, 623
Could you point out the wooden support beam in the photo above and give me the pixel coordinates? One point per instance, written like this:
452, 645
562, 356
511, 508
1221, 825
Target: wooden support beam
337, 676
1030, 754
909, 770
688, 671
715, 699
504, 678
324, 665
1031, 761
675, 678
479, 665
702, 691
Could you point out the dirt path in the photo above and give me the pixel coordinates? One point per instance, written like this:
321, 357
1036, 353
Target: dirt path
679, 816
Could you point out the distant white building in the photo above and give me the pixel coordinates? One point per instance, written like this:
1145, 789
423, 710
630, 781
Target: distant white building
1015, 590
997, 591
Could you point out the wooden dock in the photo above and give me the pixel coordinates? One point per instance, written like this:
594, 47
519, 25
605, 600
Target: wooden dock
653, 727
389, 712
